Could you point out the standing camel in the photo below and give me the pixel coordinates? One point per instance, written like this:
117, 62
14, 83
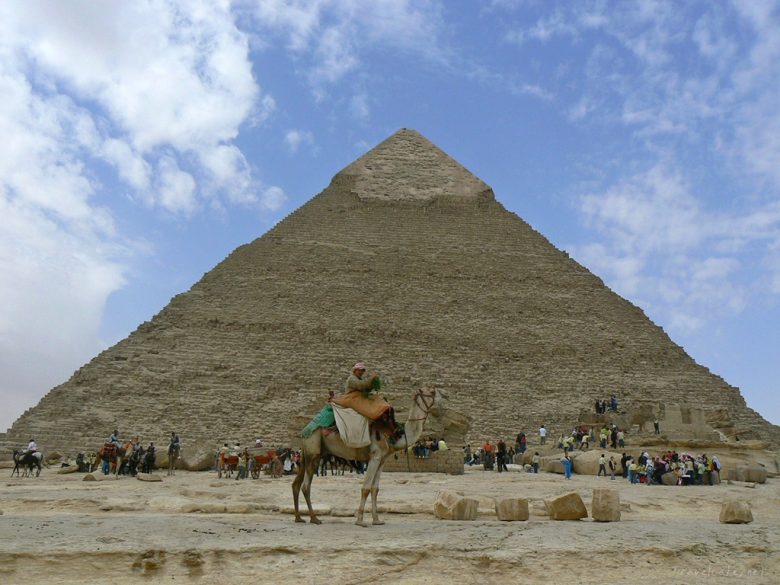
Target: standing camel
116, 456
318, 445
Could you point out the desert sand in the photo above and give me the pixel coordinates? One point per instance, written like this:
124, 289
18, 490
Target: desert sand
196, 528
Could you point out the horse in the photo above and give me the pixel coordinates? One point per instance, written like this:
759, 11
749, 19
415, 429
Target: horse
227, 464
270, 460
26, 459
148, 461
135, 460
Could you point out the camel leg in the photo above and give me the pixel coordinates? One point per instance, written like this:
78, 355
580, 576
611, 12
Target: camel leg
307, 489
296, 487
374, 492
371, 470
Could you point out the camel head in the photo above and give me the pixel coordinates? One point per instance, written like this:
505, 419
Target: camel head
431, 400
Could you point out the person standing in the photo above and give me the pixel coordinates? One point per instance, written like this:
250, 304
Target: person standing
542, 435
612, 466
501, 457
602, 465
657, 426
566, 465
535, 462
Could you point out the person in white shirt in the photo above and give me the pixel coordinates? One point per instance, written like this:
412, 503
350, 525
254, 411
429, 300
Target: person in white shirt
32, 447
542, 435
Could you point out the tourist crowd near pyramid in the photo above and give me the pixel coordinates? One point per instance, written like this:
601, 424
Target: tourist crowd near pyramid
406, 261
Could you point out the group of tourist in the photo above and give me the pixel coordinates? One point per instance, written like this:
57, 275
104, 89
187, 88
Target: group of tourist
424, 447
687, 469
603, 405
581, 437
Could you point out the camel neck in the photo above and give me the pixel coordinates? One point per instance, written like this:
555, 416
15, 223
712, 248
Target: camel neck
412, 428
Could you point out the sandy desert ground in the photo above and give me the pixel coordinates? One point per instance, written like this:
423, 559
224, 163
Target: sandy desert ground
196, 528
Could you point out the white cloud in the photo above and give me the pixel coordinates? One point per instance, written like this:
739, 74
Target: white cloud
150, 75
294, 138
155, 89
358, 106
273, 198
662, 249
176, 188
329, 36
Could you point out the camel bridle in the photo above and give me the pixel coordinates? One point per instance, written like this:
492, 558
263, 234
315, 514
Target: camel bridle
421, 399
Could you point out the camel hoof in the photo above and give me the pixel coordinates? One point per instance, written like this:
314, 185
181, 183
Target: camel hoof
378, 522
315, 520
361, 523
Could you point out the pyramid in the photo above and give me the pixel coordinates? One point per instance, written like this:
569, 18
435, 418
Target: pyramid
406, 261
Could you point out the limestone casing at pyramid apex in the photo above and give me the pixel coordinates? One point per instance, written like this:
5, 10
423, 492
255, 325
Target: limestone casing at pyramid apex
408, 167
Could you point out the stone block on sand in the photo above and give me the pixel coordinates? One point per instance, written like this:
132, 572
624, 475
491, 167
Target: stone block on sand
450, 506
606, 505
511, 509
148, 477
69, 469
566, 507
669, 478
754, 473
197, 457
735, 512
551, 464
587, 462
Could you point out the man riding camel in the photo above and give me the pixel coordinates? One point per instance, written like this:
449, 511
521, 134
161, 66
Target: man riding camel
358, 396
114, 438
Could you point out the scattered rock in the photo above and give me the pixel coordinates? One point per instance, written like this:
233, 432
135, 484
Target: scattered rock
587, 462
99, 477
197, 457
240, 508
148, 477
319, 510
566, 507
754, 473
606, 505
746, 484
735, 512
669, 478
512, 509
449, 506
539, 508
69, 469
551, 464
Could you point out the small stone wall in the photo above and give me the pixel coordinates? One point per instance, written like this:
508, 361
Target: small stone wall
449, 461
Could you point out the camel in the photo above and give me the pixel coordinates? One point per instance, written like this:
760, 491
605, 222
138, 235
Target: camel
319, 444
116, 456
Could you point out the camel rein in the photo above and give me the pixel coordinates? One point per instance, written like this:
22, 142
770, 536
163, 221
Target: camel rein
426, 408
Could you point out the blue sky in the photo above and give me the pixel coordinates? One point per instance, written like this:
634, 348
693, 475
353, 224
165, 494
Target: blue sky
142, 142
